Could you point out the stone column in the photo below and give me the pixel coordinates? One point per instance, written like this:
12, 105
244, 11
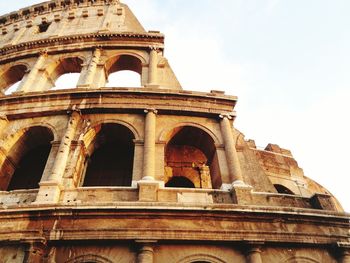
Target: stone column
145, 252
253, 255
86, 78
230, 150
153, 67
149, 145
49, 191
28, 82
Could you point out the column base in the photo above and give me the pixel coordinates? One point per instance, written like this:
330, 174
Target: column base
49, 193
242, 193
148, 190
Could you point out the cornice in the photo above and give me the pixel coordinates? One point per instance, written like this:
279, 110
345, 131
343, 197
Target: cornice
94, 37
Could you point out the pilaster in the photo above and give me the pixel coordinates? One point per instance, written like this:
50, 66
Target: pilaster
49, 191
29, 82
88, 73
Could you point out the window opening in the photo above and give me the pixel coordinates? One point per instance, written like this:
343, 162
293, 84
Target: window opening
43, 27
124, 78
283, 190
67, 81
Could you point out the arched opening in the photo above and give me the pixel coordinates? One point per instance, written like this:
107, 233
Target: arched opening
179, 181
283, 190
191, 154
124, 71
124, 78
67, 81
112, 155
26, 160
11, 79
66, 73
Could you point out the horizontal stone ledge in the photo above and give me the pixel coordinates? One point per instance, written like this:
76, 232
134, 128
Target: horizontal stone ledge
239, 236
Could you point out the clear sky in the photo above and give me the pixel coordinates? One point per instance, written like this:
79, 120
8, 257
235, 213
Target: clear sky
288, 61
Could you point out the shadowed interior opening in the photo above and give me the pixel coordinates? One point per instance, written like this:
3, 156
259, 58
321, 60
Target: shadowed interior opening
27, 160
283, 190
111, 161
190, 153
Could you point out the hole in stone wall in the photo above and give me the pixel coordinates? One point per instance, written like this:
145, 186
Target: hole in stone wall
124, 78
43, 27
67, 81
282, 189
111, 161
191, 154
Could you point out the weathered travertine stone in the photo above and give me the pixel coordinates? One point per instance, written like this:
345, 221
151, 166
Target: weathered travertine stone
112, 174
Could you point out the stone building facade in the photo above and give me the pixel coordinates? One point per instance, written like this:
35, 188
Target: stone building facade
147, 174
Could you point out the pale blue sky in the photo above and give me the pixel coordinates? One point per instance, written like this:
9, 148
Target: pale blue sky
288, 61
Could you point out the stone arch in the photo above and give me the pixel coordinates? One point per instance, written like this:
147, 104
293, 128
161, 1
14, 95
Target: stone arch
28, 151
296, 259
64, 65
12, 136
12, 75
167, 133
190, 152
201, 258
89, 258
125, 61
96, 126
110, 155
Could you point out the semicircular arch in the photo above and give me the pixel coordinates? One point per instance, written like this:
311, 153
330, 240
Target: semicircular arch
300, 260
165, 134
89, 258
94, 128
201, 257
124, 60
12, 138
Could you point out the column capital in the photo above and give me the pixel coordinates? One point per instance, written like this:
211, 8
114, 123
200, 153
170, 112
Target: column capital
228, 115
154, 48
151, 110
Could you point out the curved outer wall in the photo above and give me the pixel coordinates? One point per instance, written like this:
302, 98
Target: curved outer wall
146, 174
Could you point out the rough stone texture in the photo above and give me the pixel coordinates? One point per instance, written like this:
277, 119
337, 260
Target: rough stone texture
232, 203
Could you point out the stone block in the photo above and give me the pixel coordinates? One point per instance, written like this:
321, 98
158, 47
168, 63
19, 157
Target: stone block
49, 193
148, 191
242, 194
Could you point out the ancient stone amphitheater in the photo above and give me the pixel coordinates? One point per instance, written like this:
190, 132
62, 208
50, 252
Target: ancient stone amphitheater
146, 174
